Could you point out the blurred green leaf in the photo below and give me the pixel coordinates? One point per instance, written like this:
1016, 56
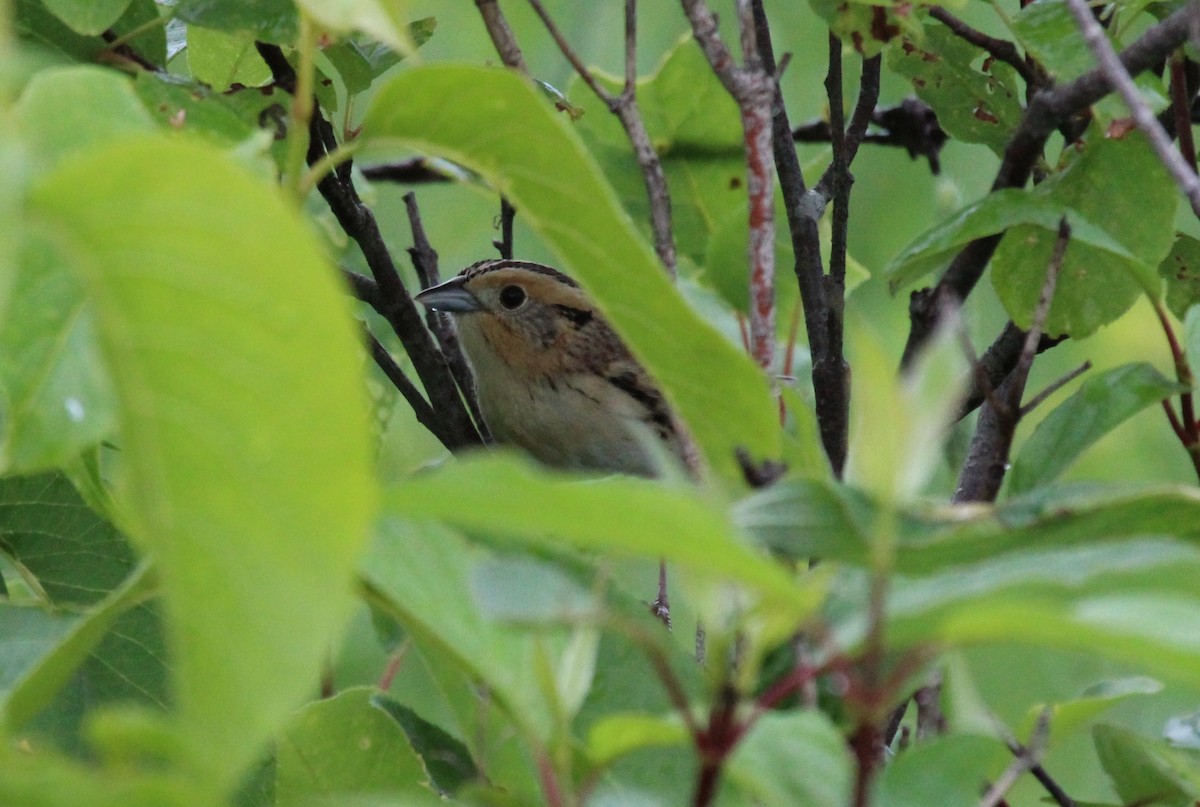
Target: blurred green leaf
1101, 403
975, 105
622, 733
46, 780
87, 17
526, 590
274, 21
76, 557
953, 767
384, 20
764, 764
66, 109
220, 59
1070, 715
343, 747
716, 389
1048, 33
1147, 771
59, 397
226, 119
151, 43
1094, 287
213, 371
995, 213
1191, 339
506, 496
1180, 270
36, 25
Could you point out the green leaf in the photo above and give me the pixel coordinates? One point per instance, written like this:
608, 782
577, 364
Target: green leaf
446, 759
225, 119
343, 747
718, 391
952, 767
1070, 715
1101, 403
505, 496
429, 594
995, 213
66, 109
1048, 32
1147, 771
764, 764
36, 25
60, 399
73, 640
87, 17
213, 371
152, 42
1094, 287
1180, 270
273, 21
220, 59
527, 590
619, 734
869, 27
359, 61
385, 20
973, 105
76, 557
46, 780
1191, 336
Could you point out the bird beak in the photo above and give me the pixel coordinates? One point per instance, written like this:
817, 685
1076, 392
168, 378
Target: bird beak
451, 296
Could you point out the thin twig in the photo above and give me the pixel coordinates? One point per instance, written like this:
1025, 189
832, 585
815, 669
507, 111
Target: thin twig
1183, 174
1016, 749
502, 35
625, 107
420, 407
1024, 762
998, 361
1181, 105
504, 244
1053, 387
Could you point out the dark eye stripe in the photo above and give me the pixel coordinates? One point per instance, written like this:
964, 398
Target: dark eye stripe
577, 316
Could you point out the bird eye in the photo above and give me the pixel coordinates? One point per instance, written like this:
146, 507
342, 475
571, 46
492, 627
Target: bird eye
511, 297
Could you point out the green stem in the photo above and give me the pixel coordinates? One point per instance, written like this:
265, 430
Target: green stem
302, 109
127, 37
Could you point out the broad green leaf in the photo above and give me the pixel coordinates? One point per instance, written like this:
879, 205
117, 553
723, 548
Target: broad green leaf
526, 590
359, 60
447, 761
28, 634
337, 749
1145, 770
764, 763
270, 20
220, 59
226, 119
506, 496
1070, 715
1094, 287
716, 389
623, 733
87, 17
74, 639
64, 110
429, 594
894, 457
36, 25
59, 397
46, 780
995, 213
385, 20
952, 767
226, 476
975, 105
1048, 33
76, 557
1191, 336
1101, 403
867, 26
1180, 270
151, 43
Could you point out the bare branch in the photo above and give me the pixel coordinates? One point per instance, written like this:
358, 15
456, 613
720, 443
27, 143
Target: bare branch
1000, 49
1053, 387
502, 36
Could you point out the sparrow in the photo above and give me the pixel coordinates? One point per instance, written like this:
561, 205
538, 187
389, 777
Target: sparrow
551, 374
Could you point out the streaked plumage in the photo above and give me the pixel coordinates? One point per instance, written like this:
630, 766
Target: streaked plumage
552, 375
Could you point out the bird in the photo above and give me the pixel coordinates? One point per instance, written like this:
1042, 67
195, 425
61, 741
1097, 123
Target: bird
551, 374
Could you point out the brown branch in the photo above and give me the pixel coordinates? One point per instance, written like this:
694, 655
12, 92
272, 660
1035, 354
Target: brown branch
502, 35
1053, 387
998, 361
413, 171
752, 86
1046, 111
396, 306
504, 244
987, 459
625, 107
420, 407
